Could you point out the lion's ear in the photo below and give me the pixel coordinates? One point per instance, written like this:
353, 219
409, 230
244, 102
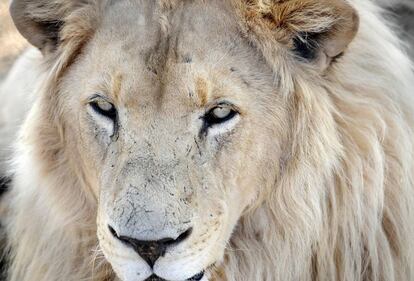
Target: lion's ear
324, 33
40, 21
316, 31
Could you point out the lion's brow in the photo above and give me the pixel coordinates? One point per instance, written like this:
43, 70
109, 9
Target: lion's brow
202, 90
116, 85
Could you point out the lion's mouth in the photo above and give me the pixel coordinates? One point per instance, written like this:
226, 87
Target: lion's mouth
196, 277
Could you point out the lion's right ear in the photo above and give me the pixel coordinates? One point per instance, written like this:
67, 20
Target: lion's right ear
314, 31
40, 21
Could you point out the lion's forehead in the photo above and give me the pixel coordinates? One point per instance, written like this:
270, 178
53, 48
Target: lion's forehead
140, 29
141, 47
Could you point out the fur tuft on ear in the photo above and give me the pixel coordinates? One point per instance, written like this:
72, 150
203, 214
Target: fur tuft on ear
315, 31
42, 21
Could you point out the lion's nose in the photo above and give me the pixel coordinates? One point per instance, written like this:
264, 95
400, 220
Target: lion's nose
151, 251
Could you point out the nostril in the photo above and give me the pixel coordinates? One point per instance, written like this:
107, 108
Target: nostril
113, 232
183, 236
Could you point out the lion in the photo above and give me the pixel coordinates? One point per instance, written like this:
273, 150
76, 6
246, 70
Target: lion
213, 140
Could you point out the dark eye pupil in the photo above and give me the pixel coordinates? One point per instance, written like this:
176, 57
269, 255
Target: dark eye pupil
109, 113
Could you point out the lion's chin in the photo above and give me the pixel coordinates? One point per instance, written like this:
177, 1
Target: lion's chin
135, 271
198, 277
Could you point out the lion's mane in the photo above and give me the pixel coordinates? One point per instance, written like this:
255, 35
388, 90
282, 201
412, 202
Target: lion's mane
342, 208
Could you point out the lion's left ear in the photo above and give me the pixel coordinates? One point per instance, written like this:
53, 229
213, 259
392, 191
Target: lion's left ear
316, 31
42, 22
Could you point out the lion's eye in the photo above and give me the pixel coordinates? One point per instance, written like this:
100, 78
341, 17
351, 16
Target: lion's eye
219, 114
104, 108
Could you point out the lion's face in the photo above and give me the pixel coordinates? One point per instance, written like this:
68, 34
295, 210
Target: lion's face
179, 117
175, 126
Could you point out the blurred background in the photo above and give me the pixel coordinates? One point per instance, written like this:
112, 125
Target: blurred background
11, 43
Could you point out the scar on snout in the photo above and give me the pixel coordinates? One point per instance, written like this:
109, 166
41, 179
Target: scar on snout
116, 85
202, 91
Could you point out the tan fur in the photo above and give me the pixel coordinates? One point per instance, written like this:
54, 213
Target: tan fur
202, 91
313, 181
